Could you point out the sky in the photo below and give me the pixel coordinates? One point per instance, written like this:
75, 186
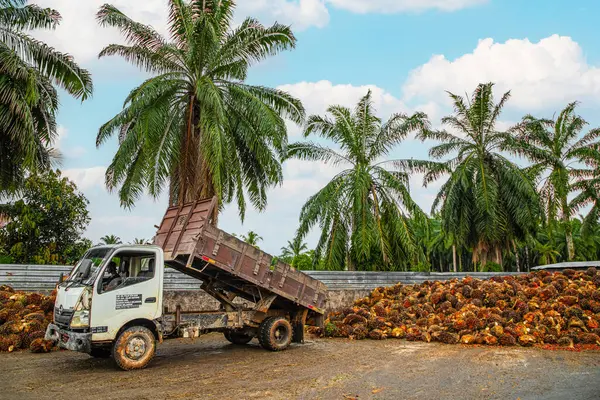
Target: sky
407, 52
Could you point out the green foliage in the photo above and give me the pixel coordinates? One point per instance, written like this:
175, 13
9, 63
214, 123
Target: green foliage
330, 330
294, 254
46, 223
110, 239
195, 125
554, 147
252, 238
363, 212
492, 267
421, 267
488, 200
31, 71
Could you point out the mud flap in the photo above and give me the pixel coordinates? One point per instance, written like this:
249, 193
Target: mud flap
298, 333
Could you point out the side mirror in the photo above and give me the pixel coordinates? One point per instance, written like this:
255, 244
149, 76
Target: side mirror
85, 268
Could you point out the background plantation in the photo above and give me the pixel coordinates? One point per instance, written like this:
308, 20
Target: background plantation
509, 198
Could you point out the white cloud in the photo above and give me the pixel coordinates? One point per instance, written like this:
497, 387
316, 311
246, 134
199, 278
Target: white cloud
80, 35
318, 96
397, 6
86, 178
546, 74
301, 14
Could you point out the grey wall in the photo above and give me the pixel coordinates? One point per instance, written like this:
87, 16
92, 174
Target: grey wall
344, 286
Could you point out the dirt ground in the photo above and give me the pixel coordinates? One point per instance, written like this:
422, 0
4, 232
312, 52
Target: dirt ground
210, 367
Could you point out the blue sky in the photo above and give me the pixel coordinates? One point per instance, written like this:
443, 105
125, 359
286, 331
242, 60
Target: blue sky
408, 52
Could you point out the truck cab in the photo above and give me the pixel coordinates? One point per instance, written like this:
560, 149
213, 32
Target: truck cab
111, 291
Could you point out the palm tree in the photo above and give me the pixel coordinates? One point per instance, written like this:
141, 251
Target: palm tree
196, 126
363, 212
587, 184
488, 201
252, 238
140, 241
293, 250
553, 147
110, 239
30, 71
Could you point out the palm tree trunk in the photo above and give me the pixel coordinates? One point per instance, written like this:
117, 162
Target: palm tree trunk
516, 255
460, 267
454, 257
569, 237
568, 230
527, 258
185, 164
498, 257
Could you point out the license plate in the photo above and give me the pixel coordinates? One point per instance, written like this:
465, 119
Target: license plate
64, 337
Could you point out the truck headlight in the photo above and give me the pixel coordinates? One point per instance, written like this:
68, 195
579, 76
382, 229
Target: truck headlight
81, 319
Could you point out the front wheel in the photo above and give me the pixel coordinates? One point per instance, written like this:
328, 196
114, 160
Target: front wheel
134, 349
275, 333
237, 337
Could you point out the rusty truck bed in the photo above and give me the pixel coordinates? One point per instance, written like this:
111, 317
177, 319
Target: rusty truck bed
228, 266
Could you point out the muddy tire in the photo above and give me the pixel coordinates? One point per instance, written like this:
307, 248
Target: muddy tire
135, 348
100, 352
237, 337
275, 333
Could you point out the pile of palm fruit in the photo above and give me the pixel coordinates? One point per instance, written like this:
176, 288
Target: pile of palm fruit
23, 320
539, 308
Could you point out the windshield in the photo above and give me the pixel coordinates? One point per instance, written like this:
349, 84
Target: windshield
96, 256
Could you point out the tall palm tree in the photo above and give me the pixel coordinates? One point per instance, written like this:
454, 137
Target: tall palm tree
589, 195
30, 71
110, 239
140, 241
553, 147
252, 238
196, 126
363, 212
488, 201
294, 249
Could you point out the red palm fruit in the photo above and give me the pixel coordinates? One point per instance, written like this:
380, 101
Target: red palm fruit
468, 339
490, 340
507, 339
41, 346
527, 340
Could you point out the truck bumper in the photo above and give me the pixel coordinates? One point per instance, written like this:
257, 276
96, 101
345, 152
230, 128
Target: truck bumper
75, 341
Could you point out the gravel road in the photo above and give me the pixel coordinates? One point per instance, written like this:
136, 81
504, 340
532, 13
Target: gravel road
210, 367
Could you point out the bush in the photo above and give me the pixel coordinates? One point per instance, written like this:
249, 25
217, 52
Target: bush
492, 267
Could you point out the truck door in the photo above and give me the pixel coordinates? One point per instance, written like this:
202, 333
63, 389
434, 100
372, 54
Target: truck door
128, 288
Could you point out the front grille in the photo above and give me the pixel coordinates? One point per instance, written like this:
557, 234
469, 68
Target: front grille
62, 319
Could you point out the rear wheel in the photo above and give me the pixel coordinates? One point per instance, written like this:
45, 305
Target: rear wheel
275, 333
135, 347
237, 337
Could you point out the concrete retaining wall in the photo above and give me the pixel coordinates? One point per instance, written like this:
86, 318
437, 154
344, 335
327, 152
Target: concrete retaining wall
198, 300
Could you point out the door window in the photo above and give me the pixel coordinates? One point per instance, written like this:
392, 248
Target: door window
127, 268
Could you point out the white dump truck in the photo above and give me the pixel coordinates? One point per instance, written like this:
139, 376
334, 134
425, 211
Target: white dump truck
112, 302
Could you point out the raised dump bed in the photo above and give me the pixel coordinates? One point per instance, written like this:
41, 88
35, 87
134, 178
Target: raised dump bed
230, 269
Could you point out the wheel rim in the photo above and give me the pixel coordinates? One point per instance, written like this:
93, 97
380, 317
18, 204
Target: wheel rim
281, 334
136, 348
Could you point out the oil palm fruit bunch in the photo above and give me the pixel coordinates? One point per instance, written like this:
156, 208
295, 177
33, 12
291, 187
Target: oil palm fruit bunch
24, 318
559, 308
